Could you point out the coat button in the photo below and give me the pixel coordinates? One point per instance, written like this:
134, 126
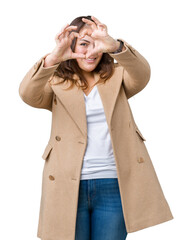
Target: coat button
57, 138
51, 177
140, 160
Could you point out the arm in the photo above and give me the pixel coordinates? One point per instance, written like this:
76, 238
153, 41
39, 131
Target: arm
34, 88
136, 72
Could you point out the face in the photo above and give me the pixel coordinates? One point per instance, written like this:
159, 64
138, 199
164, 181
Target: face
86, 45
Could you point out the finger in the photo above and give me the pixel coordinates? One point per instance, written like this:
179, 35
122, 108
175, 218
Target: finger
89, 22
102, 27
78, 55
93, 53
99, 24
65, 30
86, 32
61, 31
95, 20
70, 28
57, 37
72, 35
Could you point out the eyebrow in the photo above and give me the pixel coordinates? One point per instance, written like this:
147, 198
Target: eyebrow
84, 40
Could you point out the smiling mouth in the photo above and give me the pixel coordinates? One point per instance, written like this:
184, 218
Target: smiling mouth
90, 60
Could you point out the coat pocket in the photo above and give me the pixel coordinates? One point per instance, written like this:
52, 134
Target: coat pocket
47, 151
140, 134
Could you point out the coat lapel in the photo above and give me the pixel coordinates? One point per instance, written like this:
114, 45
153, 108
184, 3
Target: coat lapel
74, 103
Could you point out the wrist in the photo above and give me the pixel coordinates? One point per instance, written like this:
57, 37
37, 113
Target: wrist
50, 60
119, 46
113, 45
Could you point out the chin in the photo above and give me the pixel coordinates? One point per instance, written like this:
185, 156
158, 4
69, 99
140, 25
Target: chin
87, 68
88, 65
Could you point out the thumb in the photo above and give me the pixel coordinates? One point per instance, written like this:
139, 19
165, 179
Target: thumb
92, 53
78, 55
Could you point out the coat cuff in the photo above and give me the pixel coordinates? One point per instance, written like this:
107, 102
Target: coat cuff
39, 67
128, 52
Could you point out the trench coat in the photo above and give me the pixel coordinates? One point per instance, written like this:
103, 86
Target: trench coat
143, 201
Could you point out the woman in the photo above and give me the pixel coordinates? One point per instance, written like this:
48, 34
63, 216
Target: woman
98, 178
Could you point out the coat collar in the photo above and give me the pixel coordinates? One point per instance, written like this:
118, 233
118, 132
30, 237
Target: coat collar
74, 103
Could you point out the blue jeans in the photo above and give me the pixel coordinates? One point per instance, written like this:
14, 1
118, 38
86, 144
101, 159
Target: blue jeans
99, 213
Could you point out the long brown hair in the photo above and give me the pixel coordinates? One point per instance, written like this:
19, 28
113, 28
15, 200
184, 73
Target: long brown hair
68, 68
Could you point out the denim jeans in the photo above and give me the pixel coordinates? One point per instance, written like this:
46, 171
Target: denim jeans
99, 213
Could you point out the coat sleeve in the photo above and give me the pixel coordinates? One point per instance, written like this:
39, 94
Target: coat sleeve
35, 89
136, 69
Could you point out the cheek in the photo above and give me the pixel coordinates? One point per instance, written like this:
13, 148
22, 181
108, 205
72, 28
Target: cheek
100, 56
80, 50
78, 62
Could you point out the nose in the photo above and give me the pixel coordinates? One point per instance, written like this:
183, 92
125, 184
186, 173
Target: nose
91, 53
90, 47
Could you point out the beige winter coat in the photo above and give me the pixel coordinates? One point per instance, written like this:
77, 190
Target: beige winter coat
143, 201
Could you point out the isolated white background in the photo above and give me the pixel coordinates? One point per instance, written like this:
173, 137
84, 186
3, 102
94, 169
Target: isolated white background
161, 32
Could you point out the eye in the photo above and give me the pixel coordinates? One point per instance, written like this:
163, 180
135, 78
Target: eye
83, 44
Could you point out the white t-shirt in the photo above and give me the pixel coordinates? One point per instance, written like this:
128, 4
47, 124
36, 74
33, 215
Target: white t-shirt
99, 161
